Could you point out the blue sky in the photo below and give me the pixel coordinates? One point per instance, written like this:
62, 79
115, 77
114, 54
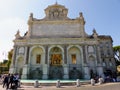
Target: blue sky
103, 15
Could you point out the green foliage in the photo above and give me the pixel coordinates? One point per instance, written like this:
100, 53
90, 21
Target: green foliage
10, 53
116, 48
117, 62
8, 63
5, 65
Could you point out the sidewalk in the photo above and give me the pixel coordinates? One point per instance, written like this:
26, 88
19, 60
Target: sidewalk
106, 86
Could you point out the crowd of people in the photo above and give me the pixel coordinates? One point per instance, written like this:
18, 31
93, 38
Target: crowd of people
10, 81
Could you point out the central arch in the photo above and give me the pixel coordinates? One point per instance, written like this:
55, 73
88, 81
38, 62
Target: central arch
55, 61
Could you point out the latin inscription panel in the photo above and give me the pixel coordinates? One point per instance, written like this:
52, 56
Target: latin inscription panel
56, 30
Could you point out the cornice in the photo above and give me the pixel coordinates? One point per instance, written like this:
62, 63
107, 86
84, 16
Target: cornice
51, 41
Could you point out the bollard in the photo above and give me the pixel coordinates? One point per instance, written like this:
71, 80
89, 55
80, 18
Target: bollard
101, 80
36, 84
78, 83
92, 82
58, 84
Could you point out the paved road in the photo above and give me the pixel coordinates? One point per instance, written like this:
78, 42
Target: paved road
106, 86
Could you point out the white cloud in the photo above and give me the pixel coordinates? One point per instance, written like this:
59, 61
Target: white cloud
8, 28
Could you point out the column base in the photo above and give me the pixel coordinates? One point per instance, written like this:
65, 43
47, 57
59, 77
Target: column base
65, 77
45, 76
24, 76
25, 72
45, 72
86, 73
100, 71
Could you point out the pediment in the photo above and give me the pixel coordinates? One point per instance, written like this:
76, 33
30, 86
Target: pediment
56, 12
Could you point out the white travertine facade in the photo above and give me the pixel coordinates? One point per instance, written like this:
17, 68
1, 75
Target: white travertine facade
57, 47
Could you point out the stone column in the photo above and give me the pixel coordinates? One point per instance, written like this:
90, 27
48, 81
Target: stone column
25, 67
14, 55
86, 72
84, 54
45, 65
65, 54
98, 54
25, 72
100, 70
66, 73
86, 68
46, 54
27, 54
45, 71
12, 66
65, 66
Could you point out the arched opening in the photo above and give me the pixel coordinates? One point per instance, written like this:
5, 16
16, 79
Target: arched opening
74, 55
75, 63
56, 56
56, 61
37, 58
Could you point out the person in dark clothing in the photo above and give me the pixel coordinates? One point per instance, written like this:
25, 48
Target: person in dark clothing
11, 80
16, 79
6, 81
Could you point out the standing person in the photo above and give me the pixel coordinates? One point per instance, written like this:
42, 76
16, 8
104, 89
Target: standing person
16, 79
0, 77
6, 81
11, 80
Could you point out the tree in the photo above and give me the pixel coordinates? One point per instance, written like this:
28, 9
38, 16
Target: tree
116, 50
5, 65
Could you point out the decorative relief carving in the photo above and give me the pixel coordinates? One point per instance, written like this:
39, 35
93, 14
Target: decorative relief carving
56, 59
91, 49
56, 12
21, 50
55, 56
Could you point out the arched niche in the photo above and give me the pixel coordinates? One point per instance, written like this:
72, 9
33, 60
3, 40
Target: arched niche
37, 55
74, 55
55, 56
